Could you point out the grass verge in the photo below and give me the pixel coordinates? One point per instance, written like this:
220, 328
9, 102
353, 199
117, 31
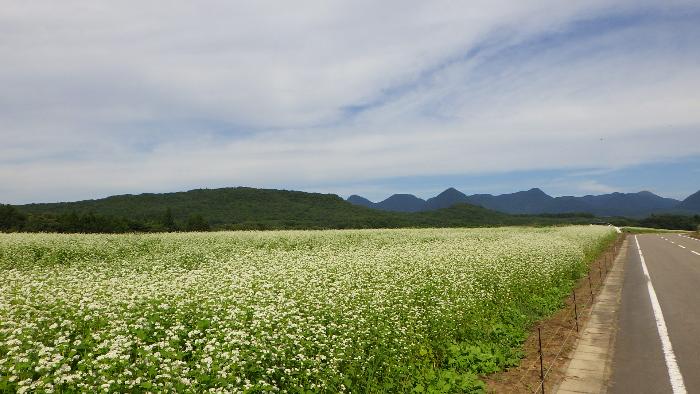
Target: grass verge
557, 332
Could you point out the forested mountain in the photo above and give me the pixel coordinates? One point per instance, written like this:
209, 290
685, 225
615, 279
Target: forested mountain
259, 209
239, 207
246, 208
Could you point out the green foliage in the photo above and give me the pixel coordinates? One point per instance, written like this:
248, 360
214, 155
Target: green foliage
74, 222
169, 220
255, 209
568, 215
197, 223
671, 222
10, 218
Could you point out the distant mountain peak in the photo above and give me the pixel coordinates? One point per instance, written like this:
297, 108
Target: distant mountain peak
359, 200
691, 203
647, 193
694, 196
535, 201
446, 199
356, 197
451, 191
402, 202
537, 190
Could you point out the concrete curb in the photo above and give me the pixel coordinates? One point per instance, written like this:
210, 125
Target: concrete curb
590, 366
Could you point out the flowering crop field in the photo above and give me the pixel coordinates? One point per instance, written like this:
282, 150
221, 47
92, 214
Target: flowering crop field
422, 310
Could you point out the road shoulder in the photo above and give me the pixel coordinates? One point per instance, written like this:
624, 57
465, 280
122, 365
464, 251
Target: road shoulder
590, 367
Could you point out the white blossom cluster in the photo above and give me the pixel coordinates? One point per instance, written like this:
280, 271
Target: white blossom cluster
257, 311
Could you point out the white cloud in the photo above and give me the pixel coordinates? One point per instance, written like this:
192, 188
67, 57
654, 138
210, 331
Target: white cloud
595, 187
102, 97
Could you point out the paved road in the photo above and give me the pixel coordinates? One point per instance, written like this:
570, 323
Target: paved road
639, 362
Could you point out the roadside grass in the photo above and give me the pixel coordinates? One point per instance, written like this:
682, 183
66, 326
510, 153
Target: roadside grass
648, 230
555, 331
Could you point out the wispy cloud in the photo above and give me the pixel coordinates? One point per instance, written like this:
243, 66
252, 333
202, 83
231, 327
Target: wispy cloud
595, 187
101, 98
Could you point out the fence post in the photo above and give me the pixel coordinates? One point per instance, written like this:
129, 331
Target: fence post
605, 264
539, 337
575, 310
590, 286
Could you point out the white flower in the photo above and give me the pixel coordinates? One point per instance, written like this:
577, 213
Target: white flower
163, 309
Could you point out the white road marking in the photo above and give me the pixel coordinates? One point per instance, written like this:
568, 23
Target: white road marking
674, 373
685, 236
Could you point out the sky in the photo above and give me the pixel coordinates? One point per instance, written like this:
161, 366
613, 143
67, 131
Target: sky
348, 97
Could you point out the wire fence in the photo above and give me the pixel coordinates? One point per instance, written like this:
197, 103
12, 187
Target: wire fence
570, 321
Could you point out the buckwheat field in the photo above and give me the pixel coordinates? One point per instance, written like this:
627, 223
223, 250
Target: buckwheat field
288, 311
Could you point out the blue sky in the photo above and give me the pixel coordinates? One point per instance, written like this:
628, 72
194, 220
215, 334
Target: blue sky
576, 97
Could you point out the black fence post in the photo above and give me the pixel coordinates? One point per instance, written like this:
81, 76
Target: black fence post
575, 310
605, 264
539, 337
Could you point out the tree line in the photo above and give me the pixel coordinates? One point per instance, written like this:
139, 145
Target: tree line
13, 220
672, 222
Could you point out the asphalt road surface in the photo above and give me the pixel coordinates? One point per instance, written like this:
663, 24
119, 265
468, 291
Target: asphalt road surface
642, 361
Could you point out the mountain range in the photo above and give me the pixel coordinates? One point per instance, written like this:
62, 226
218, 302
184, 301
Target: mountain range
535, 201
244, 208
241, 208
